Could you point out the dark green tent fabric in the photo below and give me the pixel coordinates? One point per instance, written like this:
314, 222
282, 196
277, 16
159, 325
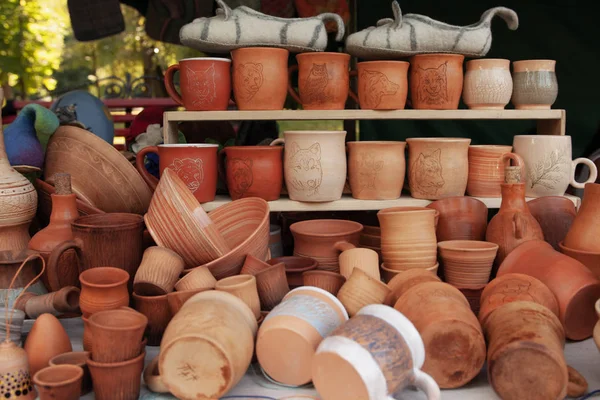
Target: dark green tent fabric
566, 31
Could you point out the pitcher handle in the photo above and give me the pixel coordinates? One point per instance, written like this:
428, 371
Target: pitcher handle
277, 142
427, 384
154, 382
55, 255
150, 179
343, 246
593, 172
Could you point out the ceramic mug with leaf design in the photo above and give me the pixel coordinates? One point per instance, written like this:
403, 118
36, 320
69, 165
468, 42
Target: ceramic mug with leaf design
549, 164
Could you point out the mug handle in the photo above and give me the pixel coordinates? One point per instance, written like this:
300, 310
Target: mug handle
354, 96
593, 172
55, 255
154, 382
291, 90
169, 84
343, 246
221, 165
427, 384
277, 142
139, 165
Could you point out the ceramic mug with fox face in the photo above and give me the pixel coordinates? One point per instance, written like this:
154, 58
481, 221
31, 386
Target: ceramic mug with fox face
382, 85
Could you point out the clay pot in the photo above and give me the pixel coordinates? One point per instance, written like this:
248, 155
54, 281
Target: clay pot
590, 259
272, 286
467, 263
16, 318
314, 164
515, 287
176, 300
116, 335
158, 272
46, 339
361, 290
576, 288
585, 230
157, 311
486, 170
454, 343
59, 382
326, 280
437, 167
117, 381
289, 336
260, 77
365, 259
488, 84
369, 166
534, 84
243, 287
275, 241
403, 281
63, 301
294, 268
348, 364
436, 81
461, 218
13, 365
555, 215
253, 265
317, 239
382, 85
197, 278
389, 274
103, 288
252, 171
77, 358
524, 336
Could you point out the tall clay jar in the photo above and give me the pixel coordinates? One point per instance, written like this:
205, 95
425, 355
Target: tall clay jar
486, 170
488, 84
585, 230
438, 167
376, 169
436, 81
535, 84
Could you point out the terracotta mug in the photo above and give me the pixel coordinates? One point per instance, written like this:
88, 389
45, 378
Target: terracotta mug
260, 76
323, 80
205, 83
382, 85
436, 81
252, 171
195, 164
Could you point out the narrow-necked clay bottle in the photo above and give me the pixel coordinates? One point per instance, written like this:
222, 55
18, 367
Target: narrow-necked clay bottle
513, 224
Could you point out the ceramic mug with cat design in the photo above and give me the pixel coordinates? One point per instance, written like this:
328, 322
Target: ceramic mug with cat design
382, 85
436, 81
195, 164
260, 76
205, 83
252, 171
323, 80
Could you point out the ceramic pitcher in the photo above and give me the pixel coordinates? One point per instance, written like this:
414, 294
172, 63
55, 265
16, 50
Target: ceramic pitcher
314, 164
550, 167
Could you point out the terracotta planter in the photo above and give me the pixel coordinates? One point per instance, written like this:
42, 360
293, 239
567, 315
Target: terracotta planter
534, 84
243, 287
467, 263
576, 288
365, 259
196, 278
382, 85
158, 272
486, 170
77, 358
252, 171
403, 281
361, 290
116, 335
158, 312
488, 84
461, 218
555, 215
294, 268
63, 301
436, 81
176, 300
590, 259
288, 338
59, 382
585, 228
369, 169
272, 286
117, 381
437, 167
326, 280
103, 288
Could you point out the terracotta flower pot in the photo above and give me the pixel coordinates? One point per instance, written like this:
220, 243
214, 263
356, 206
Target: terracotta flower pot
365, 259
158, 312
294, 268
158, 272
486, 170
243, 287
117, 381
555, 215
436, 81
272, 286
534, 84
361, 290
585, 230
467, 263
461, 218
176, 300
590, 259
196, 278
103, 288
63, 301
116, 334
78, 358
403, 281
488, 84
59, 382
326, 280
253, 265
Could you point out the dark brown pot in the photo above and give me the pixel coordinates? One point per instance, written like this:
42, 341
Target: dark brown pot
555, 214
461, 218
158, 312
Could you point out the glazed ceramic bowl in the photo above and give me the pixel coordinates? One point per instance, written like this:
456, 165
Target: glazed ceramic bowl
588, 258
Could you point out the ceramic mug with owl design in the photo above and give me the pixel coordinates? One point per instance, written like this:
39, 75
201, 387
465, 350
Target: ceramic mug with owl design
323, 80
436, 81
382, 85
195, 164
205, 83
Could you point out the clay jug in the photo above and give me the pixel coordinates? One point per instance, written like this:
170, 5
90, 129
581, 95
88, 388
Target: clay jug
585, 229
513, 224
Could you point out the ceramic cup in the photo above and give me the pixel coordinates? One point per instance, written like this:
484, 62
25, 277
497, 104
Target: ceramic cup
243, 287
377, 353
535, 84
195, 164
116, 334
78, 358
382, 85
158, 272
549, 165
59, 382
205, 83
436, 81
323, 80
488, 84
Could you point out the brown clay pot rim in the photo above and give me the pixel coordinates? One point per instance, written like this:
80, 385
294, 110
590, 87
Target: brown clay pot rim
119, 364
111, 271
326, 273
181, 292
376, 142
438, 139
78, 358
562, 137
356, 227
236, 281
462, 245
471, 287
77, 370
535, 60
458, 199
271, 268
107, 220
140, 322
583, 252
396, 62
325, 53
487, 59
308, 261
148, 298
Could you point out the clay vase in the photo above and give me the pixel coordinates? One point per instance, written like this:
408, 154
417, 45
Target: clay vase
534, 84
295, 267
77, 358
369, 169
46, 339
488, 84
403, 281
527, 337
117, 381
13, 365
382, 85
361, 290
158, 272
486, 170
252, 171
467, 263
289, 336
576, 288
586, 226
555, 215
326, 280
454, 342
375, 354
63, 301
438, 167
103, 288
436, 81
243, 287
461, 218
157, 311
272, 286
259, 77
59, 382
117, 334
314, 164
515, 287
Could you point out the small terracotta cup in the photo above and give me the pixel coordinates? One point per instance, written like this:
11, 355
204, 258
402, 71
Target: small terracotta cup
253, 265
78, 358
365, 259
103, 288
59, 382
467, 263
243, 287
205, 83
403, 281
117, 381
198, 278
326, 280
295, 267
117, 334
176, 299
361, 290
159, 271
158, 312
436, 81
382, 85
272, 286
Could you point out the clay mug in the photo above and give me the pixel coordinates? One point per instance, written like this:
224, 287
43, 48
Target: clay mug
323, 80
59, 382
372, 356
534, 84
549, 165
486, 170
159, 271
488, 84
361, 290
117, 334
327, 280
205, 83
252, 171
382, 85
260, 77
272, 286
436, 81
103, 288
158, 312
117, 381
195, 164
295, 267
352, 257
